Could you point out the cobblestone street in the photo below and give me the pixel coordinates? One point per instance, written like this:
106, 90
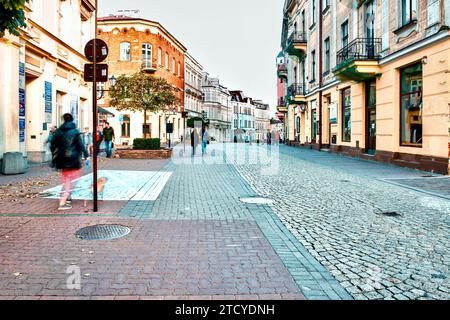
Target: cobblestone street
336, 229
346, 216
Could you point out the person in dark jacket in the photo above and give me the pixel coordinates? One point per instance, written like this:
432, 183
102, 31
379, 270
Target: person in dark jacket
194, 140
108, 137
67, 148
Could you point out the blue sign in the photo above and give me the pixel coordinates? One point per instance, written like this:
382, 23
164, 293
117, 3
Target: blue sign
21, 129
48, 97
21, 103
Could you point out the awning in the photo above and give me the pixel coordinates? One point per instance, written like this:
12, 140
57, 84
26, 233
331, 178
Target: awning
105, 112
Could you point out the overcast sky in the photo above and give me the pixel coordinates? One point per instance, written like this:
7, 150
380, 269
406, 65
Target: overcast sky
236, 40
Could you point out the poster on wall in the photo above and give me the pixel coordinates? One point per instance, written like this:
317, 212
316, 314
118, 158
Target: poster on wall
48, 96
74, 108
333, 112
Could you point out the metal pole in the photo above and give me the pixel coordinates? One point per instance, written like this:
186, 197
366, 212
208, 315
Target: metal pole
184, 134
94, 113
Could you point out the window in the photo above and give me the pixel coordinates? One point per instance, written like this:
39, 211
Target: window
344, 34
325, 4
160, 56
166, 61
314, 123
346, 115
409, 11
313, 66
173, 65
179, 69
411, 105
126, 126
313, 12
327, 55
147, 54
125, 51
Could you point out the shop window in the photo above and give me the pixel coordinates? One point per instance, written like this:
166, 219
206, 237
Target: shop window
125, 51
126, 126
346, 115
411, 105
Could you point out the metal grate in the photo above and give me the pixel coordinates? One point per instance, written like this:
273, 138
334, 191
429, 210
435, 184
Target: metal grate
257, 200
103, 232
391, 214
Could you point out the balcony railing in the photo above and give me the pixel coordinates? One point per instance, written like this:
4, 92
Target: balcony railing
360, 49
282, 102
297, 37
148, 65
296, 89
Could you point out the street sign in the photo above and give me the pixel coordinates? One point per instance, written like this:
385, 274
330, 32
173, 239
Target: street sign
184, 114
101, 74
169, 127
101, 51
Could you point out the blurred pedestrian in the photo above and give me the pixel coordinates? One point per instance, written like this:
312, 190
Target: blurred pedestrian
67, 148
87, 140
108, 137
194, 140
98, 138
205, 139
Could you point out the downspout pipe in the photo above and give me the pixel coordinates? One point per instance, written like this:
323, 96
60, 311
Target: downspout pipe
319, 105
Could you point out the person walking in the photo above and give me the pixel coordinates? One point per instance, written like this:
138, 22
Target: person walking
98, 138
87, 140
108, 137
205, 139
194, 140
67, 148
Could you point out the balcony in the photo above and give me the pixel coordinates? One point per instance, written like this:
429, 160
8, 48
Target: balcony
148, 66
296, 44
282, 107
358, 61
296, 92
282, 71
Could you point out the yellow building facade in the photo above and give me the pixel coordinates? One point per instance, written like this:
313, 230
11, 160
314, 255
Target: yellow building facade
384, 86
42, 75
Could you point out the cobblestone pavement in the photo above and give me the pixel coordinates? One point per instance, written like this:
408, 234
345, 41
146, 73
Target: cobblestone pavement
335, 207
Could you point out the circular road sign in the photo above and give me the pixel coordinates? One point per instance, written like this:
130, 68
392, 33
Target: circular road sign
101, 53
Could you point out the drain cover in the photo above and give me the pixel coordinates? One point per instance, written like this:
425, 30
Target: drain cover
103, 232
256, 200
391, 214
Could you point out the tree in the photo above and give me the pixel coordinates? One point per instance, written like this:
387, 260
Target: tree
142, 93
12, 16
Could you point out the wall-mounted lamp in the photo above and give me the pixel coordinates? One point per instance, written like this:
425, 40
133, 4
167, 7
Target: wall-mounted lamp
425, 60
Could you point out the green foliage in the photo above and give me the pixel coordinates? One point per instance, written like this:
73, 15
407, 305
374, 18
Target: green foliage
147, 144
142, 93
12, 16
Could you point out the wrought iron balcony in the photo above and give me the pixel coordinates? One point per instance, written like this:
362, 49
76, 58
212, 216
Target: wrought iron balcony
282, 70
296, 43
296, 89
358, 60
360, 49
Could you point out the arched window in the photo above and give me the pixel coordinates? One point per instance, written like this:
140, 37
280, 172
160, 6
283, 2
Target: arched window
125, 51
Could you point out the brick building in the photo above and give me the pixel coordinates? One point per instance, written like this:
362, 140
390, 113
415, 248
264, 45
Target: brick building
136, 45
369, 79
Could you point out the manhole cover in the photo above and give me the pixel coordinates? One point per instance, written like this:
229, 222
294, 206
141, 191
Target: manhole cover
103, 232
256, 200
345, 180
391, 214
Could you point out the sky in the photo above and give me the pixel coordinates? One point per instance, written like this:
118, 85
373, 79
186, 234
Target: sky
235, 40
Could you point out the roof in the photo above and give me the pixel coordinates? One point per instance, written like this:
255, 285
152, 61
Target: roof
119, 18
